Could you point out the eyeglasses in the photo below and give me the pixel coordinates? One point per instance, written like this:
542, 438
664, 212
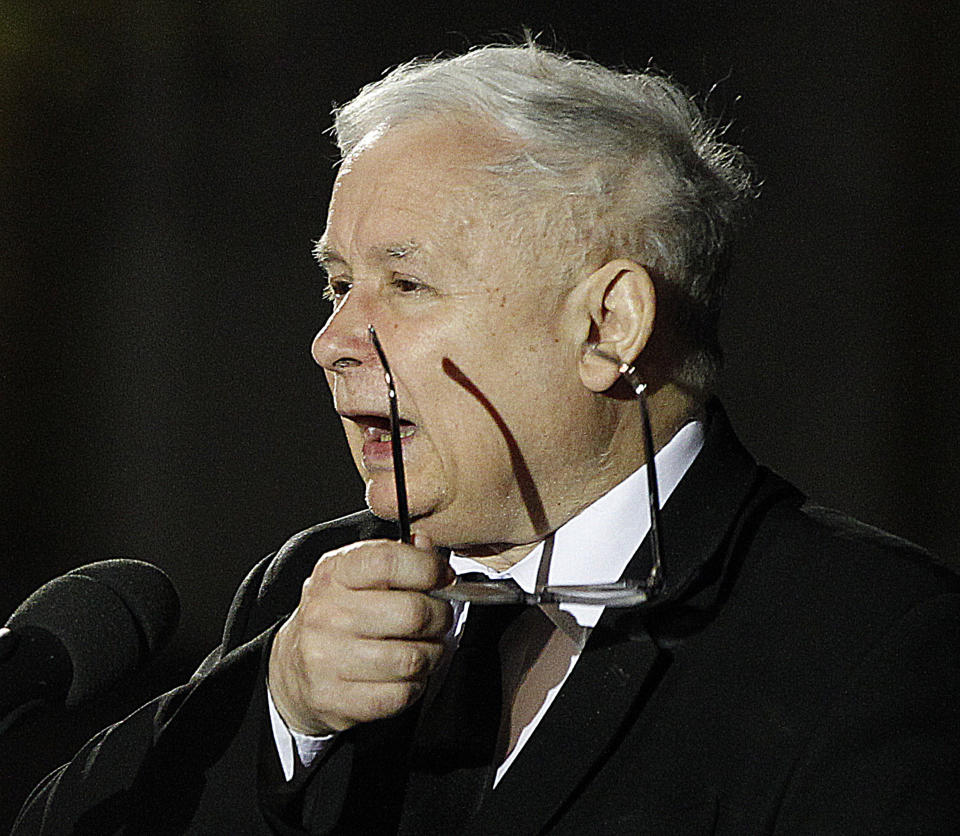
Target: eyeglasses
623, 593
396, 448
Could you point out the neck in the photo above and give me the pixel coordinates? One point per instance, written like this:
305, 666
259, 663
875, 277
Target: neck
499, 556
670, 409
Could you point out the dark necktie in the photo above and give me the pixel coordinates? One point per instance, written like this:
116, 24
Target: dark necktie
452, 759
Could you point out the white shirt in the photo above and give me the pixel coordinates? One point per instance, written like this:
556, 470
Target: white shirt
593, 547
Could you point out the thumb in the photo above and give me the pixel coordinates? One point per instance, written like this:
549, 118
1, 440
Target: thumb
424, 543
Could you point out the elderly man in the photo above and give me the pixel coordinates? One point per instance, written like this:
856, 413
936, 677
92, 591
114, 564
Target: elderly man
522, 230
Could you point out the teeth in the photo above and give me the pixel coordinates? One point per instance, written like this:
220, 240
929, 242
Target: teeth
405, 432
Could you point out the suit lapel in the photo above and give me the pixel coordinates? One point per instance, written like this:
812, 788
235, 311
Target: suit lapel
623, 662
581, 725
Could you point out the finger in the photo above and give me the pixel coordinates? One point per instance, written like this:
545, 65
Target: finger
380, 614
384, 564
393, 660
398, 614
422, 542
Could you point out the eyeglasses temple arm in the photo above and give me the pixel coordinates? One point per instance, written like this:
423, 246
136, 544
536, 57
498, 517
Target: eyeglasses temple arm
396, 446
629, 374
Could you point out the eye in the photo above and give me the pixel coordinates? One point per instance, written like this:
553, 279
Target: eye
408, 284
336, 289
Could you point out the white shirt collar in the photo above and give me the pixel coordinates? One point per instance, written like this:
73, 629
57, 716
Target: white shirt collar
596, 545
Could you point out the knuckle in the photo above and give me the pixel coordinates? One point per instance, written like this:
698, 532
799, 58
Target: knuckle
438, 570
443, 616
325, 619
312, 614
377, 564
318, 584
416, 617
335, 620
367, 562
411, 661
326, 565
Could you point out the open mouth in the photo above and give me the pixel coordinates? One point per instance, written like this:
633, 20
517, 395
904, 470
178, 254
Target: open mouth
376, 428
379, 435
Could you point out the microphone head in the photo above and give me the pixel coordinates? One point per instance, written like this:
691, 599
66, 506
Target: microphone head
111, 617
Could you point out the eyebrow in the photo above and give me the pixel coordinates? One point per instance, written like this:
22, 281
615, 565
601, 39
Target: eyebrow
325, 254
404, 250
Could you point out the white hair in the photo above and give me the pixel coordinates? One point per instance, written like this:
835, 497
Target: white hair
628, 158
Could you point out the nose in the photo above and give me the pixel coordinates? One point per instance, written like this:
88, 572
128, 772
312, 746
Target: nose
344, 340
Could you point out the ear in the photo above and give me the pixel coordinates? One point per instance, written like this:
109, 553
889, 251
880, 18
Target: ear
621, 302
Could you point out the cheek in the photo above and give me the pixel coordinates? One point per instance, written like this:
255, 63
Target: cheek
474, 441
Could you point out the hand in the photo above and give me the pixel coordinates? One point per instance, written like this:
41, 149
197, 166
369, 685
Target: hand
364, 637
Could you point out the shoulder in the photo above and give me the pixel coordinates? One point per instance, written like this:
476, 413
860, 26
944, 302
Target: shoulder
825, 554
816, 593
860, 657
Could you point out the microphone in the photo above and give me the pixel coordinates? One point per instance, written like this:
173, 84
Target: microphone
79, 633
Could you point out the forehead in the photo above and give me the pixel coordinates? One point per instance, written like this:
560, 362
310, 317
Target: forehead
437, 147
410, 187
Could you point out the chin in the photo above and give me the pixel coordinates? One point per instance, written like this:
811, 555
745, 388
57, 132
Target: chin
381, 499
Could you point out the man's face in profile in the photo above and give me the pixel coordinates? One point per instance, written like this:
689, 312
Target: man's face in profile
481, 332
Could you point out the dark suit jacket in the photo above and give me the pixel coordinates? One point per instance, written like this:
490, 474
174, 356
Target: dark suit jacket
801, 675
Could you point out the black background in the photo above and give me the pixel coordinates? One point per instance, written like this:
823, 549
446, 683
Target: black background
163, 171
